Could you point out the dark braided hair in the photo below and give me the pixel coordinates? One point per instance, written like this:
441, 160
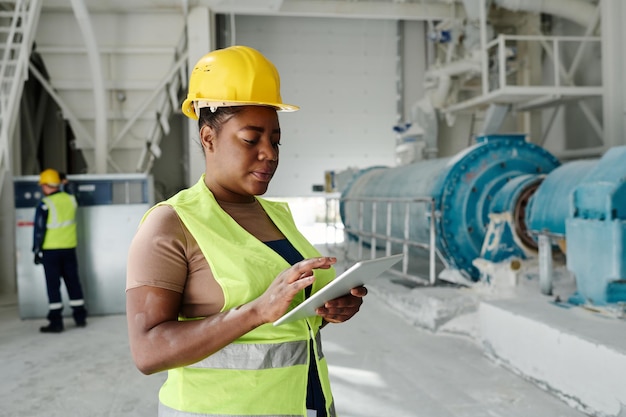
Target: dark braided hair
215, 119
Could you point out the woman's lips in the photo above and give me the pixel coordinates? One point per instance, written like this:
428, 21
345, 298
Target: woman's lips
263, 175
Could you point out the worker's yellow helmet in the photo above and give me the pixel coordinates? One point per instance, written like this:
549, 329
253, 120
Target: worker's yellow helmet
50, 177
233, 76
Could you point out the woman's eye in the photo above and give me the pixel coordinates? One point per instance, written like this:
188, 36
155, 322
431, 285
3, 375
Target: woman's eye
276, 144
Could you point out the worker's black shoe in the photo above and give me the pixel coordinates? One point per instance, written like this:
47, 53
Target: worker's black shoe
55, 322
80, 316
51, 328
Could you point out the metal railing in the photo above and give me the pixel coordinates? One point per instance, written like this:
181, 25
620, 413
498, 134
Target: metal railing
502, 53
368, 232
18, 22
505, 75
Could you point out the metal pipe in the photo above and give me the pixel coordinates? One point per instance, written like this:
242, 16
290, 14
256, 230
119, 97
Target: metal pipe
432, 244
581, 153
545, 264
501, 61
360, 228
405, 247
575, 10
388, 229
483, 47
374, 217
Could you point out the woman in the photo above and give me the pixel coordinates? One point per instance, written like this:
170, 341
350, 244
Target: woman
209, 269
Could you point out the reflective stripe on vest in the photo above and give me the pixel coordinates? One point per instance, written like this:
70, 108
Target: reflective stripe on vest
260, 355
256, 356
165, 411
61, 222
264, 372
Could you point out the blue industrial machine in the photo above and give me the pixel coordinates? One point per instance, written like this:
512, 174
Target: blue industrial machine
582, 206
462, 187
529, 206
596, 232
494, 201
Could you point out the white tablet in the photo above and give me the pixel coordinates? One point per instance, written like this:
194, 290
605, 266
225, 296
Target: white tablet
358, 274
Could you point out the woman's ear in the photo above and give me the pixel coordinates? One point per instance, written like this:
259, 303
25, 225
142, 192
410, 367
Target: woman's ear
206, 138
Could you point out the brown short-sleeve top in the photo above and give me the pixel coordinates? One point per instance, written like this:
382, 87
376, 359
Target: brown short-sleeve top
164, 254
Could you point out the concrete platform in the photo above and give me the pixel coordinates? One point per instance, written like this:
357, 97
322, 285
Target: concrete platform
577, 354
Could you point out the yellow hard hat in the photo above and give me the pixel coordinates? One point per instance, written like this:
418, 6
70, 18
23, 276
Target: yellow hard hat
233, 76
50, 177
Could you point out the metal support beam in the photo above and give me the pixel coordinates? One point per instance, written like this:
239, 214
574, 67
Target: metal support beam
99, 90
200, 41
613, 67
342, 8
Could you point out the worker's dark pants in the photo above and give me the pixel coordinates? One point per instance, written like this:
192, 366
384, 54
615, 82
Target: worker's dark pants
57, 264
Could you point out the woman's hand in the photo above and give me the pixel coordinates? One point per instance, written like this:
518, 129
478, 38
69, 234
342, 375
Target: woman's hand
278, 296
343, 308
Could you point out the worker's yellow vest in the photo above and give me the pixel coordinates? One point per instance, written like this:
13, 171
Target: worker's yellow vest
61, 223
264, 372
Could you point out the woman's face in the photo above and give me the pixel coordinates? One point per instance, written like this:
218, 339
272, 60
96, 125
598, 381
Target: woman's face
241, 159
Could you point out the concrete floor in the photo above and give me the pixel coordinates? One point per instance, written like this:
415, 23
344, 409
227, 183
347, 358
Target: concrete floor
381, 366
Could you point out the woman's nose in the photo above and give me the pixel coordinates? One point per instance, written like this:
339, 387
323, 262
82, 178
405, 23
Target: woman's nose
268, 152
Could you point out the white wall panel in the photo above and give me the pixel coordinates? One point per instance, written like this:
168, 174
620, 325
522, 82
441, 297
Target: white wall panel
342, 72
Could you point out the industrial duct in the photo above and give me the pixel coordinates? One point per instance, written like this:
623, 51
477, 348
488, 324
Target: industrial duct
578, 11
443, 75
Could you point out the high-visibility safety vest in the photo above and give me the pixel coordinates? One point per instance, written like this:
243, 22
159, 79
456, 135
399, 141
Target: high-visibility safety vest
61, 223
264, 372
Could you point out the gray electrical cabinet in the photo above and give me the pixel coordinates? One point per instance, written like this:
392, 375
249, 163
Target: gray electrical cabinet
110, 207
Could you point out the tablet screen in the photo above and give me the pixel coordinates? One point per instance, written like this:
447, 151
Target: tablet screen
358, 274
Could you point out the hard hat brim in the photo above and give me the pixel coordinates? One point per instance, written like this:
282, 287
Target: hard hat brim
189, 106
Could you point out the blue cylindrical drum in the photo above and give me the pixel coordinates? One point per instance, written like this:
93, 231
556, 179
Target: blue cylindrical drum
462, 188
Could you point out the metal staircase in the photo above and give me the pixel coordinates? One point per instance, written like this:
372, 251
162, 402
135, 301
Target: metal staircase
167, 103
18, 24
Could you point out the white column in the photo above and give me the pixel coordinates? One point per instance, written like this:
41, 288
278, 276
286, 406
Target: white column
200, 41
101, 151
613, 66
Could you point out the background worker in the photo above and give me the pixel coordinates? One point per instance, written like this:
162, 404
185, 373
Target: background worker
65, 183
54, 246
210, 269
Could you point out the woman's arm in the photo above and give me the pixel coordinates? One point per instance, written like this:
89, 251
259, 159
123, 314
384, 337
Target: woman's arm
158, 341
